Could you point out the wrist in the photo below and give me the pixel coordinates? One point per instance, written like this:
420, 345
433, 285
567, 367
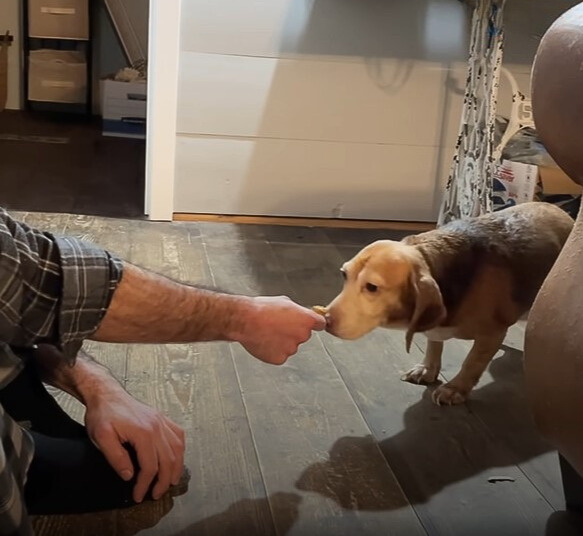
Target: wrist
93, 382
244, 311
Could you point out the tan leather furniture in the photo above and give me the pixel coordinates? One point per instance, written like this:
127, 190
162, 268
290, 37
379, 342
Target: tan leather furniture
554, 339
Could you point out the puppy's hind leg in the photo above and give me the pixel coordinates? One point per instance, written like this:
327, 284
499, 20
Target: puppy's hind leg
458, 389
426, 373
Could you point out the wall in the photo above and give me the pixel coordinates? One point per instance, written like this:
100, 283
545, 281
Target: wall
318, 108
10, 20
329, 107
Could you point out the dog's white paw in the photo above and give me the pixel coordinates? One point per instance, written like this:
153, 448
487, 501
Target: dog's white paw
449, 395
420, 374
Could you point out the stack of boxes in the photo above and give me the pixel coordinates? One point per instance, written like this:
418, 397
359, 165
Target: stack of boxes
54, 74
59, 74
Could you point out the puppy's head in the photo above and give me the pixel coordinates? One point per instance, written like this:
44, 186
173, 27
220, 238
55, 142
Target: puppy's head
386, 284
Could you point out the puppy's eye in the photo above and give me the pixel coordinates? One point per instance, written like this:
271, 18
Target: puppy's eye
343, 272
371, 288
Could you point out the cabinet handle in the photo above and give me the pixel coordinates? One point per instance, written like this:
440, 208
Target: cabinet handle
58, 83
58, 10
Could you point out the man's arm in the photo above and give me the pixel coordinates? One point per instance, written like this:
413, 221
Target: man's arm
149, 308
61, 291
113, 418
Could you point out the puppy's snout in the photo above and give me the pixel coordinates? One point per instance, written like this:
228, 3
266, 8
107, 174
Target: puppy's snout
331, 324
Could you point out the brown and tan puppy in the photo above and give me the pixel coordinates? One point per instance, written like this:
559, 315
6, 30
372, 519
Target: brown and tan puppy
468, 280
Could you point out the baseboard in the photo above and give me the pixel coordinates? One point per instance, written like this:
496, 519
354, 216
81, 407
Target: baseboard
307, 222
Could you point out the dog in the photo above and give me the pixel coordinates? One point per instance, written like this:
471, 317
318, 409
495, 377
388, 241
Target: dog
470, 279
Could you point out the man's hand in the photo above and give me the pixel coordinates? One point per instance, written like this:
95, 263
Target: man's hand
113, 418
274, 327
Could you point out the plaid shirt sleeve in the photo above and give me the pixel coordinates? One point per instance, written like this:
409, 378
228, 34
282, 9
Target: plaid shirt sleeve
52, 290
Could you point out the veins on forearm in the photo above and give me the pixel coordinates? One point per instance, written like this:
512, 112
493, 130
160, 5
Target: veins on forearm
81, 379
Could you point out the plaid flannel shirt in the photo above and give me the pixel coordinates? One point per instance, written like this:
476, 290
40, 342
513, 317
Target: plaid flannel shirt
52, 290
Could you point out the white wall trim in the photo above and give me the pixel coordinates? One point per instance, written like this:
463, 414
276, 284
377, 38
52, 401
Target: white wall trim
164, 50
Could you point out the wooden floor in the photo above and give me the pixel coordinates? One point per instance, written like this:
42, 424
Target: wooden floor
332, 443
62, 163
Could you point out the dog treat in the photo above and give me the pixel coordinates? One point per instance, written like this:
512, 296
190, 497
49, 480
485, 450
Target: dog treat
320, 309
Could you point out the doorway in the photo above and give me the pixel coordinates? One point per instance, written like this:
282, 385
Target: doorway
73, 123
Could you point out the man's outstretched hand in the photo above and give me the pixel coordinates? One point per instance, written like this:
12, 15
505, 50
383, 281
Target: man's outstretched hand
274, 327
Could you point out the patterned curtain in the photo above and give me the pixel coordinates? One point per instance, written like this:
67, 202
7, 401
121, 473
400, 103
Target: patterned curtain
469, 185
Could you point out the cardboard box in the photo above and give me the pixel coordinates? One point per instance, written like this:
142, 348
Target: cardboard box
60, 19
124, 108
57, 76
514, 183
556, 182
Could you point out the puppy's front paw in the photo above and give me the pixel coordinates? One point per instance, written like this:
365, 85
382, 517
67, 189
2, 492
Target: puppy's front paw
420, 374
449, 395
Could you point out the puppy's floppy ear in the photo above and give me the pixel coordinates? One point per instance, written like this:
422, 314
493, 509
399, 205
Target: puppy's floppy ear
428, 310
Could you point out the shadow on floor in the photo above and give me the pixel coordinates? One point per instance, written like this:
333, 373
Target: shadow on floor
418, 453
232, 521
236, 519
496, 432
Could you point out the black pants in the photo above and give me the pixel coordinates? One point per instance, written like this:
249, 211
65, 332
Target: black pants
68, 474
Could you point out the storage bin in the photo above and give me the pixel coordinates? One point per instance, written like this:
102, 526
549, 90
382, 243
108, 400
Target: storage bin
57, 76
124, 107
59, 19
